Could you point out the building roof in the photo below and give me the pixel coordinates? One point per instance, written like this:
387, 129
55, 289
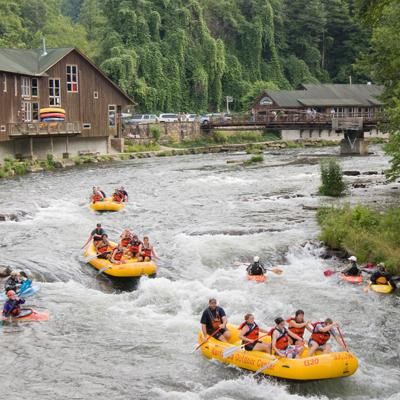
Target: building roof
326, 95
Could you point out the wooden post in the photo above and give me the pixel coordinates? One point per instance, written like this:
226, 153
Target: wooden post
31, 146
51, 145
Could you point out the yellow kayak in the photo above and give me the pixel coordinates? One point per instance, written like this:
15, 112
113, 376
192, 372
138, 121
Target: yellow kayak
388, 288
47, 110
319, 366
107, 205
132, 268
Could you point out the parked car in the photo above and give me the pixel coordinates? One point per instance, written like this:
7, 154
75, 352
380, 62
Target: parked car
218, 117
142, 119
191, 117
168, 118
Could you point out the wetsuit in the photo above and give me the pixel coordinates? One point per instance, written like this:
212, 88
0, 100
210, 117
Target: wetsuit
12, 307
353, 270
12, 284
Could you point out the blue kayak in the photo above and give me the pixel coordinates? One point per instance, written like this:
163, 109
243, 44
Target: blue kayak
26, 291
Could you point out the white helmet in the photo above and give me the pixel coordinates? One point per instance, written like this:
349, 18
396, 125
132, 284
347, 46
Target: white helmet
352, 258
256, 259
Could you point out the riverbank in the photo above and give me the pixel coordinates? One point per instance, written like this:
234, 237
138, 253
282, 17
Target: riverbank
12, 167
370, 235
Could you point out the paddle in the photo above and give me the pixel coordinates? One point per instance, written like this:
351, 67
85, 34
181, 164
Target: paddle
329, 272
232, 350
205, 341
97, 256
264, 367
341, 337
104, 269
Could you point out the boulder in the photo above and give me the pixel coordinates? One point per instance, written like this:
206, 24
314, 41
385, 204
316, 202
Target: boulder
5, 271
351, 173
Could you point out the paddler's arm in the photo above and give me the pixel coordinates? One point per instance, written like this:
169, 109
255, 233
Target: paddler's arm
243, 331
294, 336
224, 322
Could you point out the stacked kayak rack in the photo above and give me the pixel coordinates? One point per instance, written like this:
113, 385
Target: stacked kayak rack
52, 114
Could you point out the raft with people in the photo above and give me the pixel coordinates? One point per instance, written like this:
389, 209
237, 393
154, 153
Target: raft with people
107, 204
305, 368
99, 201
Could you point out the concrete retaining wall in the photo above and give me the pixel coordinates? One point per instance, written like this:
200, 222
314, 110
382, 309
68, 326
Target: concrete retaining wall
325, 134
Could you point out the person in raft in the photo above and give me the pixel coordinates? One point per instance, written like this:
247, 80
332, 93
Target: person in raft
97, 195
101, 191
135, 247
124, 194
256, 267
125, 238
117, 196
12, 307
213, 322
381, 277
297, 325
95, 235
280, 340
148, 251
353, 270
250, 332
117, 254
103, 247
321, 333
13, 282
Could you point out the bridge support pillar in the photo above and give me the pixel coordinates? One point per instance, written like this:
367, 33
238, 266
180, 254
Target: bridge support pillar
354, 143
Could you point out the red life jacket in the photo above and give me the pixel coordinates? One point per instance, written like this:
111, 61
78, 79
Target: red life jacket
215, 322
253, 332
320, 337
117, 197
297, 331
102, 249
118, 255
283, 339
125, 241
96, 197
134, 247
147, 251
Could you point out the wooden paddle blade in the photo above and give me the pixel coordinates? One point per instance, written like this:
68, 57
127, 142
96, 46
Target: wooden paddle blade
329, 272
228, 352
277, 271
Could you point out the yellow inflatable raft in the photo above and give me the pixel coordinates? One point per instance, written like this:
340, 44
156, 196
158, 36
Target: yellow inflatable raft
107, 205
388, 288
319, 366
132, 268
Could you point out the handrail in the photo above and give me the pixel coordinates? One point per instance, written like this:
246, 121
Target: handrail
44, 128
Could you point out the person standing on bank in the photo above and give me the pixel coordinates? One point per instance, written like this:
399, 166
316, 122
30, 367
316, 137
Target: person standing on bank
214, 320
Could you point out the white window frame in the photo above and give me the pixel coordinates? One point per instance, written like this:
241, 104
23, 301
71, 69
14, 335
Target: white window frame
26, 107
25, 87
4, 82
95, 94
36, 87
112, 108
70, 75
3, 128
52, 93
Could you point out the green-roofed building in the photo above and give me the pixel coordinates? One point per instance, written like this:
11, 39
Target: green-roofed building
57, 101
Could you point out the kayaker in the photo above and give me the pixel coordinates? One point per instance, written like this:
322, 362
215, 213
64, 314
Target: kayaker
103, 247
280, 340
256, 267
135, 247
12, 307
321, 333
117, 254
13, 282
381, 277
213, 322
297, 325
148, 251
124, 194
125, 238
95, 235
354, 270
250, 332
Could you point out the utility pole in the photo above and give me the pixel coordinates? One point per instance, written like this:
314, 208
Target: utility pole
229, 99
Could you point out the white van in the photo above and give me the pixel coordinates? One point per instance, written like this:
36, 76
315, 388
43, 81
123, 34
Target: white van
168, 118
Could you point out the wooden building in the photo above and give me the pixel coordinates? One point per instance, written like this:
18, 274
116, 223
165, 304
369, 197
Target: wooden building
332, 99
65, 79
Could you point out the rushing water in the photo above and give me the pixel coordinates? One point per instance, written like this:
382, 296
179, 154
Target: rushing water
203, 215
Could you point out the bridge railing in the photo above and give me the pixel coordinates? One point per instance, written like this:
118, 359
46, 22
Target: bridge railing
44, 128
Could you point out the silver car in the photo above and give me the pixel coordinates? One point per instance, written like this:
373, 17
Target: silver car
142, 119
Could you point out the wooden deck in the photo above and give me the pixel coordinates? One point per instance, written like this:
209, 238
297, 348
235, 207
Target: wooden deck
44, 129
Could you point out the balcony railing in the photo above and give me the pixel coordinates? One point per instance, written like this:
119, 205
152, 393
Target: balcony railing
45, 129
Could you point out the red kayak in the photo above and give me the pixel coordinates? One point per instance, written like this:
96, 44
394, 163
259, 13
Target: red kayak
351, 279
257, 278
28, 314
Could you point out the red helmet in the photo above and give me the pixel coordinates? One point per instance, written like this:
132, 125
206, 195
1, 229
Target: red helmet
11, 294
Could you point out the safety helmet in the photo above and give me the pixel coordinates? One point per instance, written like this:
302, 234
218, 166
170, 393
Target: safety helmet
14, 273
352, 258
256, 259
11, 294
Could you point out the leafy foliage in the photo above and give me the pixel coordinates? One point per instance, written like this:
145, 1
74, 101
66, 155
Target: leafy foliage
332, 179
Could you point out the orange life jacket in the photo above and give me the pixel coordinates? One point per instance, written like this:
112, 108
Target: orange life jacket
297, 331
118, 255
283, 339
117, 197
253, 332
382, 280
320, 337
134, 247
125, 241
147, 251
96, 197
102, 249
217, 321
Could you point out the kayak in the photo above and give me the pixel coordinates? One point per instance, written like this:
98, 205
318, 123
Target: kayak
388, 288
28, 314
29, 291
107, 205
351, 279
130, 269
319, 366
257, 278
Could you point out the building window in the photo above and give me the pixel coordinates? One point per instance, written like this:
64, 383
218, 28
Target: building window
4, 83
3, 128
26, 111
72, 78
35, 87
87, 125
112, 116
54, 92
95, 95
25, 87
35, 111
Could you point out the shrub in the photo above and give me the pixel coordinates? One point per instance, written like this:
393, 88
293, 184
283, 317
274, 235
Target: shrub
332, 179
220, 137
155, 133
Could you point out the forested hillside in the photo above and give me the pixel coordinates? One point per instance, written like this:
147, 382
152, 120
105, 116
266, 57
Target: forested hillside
186, 55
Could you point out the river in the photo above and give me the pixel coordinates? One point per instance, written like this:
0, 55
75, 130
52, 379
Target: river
203, 215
